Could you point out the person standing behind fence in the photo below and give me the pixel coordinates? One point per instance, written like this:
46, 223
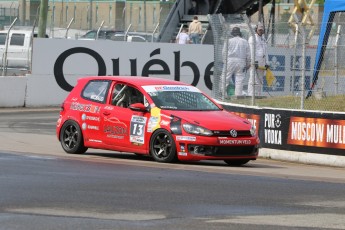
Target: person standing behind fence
261, 60
183, 37
237, 54
195, 30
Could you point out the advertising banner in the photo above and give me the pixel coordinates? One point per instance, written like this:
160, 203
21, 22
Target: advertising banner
302, 131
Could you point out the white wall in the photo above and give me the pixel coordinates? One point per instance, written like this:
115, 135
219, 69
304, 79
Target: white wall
12, 91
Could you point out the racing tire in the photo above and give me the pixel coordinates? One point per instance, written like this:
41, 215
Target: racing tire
236, 162
71, 138
163, 147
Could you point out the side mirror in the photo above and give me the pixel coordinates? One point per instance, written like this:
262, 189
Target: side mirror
138, 107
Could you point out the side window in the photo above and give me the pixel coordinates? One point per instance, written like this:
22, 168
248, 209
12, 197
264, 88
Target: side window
2, 38
124, 95
101, 35
17, 39
96, 91
91, 34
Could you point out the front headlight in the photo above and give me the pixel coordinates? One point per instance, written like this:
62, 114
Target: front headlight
252, 131
196, 130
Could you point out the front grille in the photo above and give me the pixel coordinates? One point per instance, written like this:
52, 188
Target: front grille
226, 133
223, 150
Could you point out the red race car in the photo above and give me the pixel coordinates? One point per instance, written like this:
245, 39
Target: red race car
168, 120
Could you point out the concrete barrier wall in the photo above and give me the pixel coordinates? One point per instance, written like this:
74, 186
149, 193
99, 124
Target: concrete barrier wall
43, 91
12, 91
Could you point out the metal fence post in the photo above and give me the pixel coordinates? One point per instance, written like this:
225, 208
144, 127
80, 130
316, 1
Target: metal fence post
253, 71
302, 85
4, 60
294, 57
336, 59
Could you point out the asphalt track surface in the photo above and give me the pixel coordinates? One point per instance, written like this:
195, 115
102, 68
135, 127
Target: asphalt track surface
41, 187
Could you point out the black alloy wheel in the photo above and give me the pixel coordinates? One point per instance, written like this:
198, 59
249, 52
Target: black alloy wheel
71, 138
162, 147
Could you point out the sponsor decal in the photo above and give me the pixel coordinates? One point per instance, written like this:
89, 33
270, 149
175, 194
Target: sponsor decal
92, 127
185, 138
172, 88
85, 107
93, 140
85, 126
155, 112
151, 89
164, 123
115, 130
114, 120
115, 136
272, 129
234, 142
97, 97
136, 143
317, 132
168, 107
108, 107
153, 121
166, 116
85, 117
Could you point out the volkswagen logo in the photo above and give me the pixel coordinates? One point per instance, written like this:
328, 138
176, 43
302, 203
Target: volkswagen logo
233, 133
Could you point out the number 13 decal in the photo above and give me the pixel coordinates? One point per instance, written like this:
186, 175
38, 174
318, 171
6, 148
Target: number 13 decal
137, 131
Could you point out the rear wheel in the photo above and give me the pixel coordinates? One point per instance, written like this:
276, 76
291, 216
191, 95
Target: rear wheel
162, 147
71, 138
236, 162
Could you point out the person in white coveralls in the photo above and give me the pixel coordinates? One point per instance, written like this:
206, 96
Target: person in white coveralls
261, 60
237, 54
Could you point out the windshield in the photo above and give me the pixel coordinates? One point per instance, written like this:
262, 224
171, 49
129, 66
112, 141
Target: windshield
179, 97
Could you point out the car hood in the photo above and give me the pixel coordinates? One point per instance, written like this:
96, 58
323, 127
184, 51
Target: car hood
213, 120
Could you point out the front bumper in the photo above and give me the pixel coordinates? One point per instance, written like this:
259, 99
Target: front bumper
218, 148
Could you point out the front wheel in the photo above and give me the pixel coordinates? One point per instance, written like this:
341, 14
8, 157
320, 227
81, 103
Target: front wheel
236, 162
71, 138
162, 147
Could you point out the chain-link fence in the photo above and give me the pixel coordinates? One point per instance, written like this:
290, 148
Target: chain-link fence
144, 17
8, 14
292, 80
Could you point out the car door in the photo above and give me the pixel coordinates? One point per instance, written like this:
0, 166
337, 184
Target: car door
93, 98
124, 128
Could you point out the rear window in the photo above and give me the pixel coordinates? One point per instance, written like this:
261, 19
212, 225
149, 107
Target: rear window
96, 91
17, 39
